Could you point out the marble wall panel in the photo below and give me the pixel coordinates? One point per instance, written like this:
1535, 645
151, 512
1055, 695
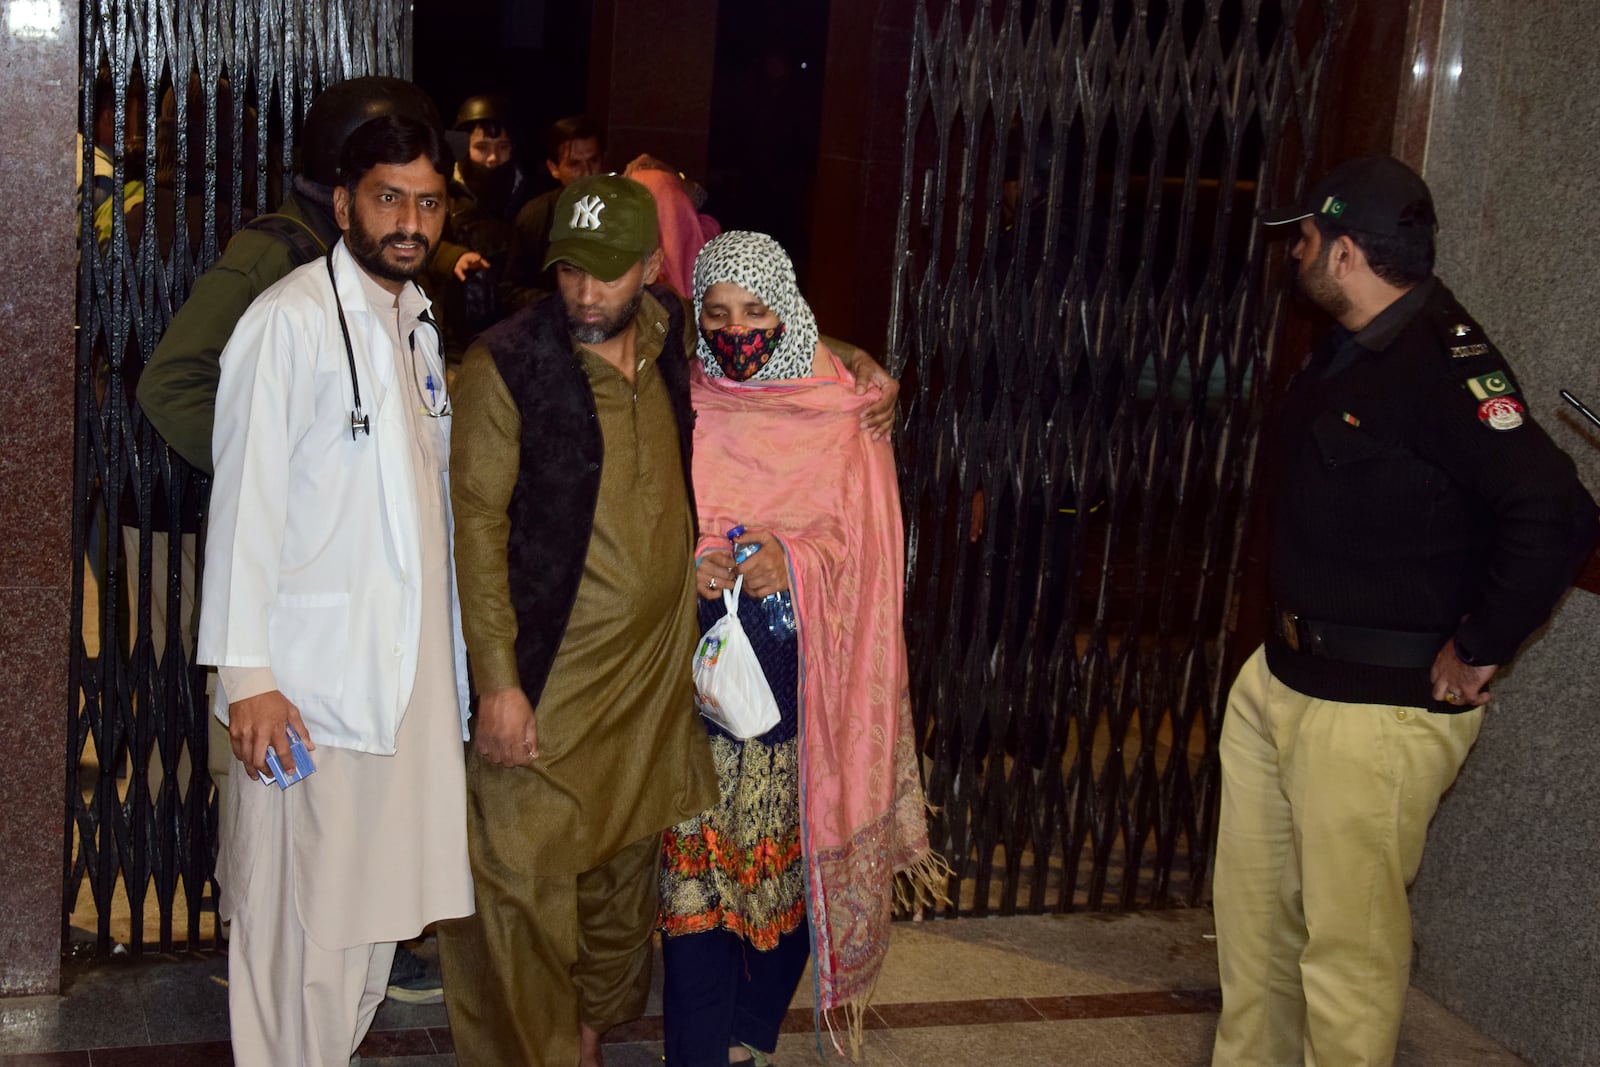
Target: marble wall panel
1513, 159
38, 114
1507, 927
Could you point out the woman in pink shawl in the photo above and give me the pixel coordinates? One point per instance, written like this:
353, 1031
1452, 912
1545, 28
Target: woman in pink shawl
820, 814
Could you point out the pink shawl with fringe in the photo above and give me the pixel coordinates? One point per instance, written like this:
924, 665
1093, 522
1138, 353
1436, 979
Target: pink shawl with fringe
791, 457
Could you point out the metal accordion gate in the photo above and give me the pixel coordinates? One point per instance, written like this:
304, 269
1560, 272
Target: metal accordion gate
1083, 340
195, 105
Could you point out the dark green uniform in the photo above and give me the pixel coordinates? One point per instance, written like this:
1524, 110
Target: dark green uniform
526, 280
178, 388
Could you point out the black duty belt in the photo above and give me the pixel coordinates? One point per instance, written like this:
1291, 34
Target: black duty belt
1358, 644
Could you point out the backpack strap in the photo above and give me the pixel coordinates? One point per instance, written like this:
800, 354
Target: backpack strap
304, 244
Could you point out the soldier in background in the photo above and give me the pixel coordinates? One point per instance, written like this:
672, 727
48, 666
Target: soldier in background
487, 190
575, 148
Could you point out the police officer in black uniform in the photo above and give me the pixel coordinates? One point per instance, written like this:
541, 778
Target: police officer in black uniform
1423, 526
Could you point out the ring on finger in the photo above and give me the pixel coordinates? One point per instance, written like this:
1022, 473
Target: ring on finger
711, 583
1452, 697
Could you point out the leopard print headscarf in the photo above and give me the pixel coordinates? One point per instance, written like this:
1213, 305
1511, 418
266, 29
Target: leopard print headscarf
758, 264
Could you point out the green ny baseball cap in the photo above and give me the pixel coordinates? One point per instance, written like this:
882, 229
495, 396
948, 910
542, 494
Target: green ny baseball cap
603, 224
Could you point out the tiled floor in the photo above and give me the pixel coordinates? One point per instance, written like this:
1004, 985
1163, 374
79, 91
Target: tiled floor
1083, 990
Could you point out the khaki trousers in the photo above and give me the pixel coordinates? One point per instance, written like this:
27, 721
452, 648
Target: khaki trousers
291, 1002
219, 759
542, 955
1325, 809
160, 543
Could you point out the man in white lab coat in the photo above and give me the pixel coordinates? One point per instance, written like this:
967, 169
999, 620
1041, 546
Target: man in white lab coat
330, 610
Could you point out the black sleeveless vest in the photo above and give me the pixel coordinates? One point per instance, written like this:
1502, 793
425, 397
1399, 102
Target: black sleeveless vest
558, 475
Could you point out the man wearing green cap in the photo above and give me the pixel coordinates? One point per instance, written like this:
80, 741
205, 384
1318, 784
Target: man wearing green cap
574, 535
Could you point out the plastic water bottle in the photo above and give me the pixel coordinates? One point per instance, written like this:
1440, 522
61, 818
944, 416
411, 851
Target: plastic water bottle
777, 610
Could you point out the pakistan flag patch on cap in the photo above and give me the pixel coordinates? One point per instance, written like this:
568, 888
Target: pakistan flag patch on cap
1488, 385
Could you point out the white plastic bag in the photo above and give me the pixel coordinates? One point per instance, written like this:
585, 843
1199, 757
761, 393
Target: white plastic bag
730, 688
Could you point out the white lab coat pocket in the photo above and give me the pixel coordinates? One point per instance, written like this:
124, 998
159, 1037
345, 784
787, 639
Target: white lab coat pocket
309, 638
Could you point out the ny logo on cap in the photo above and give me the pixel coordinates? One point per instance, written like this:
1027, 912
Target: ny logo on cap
586, 213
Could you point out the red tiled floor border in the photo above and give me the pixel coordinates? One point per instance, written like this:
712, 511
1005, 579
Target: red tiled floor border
1129, 1005
419, 1041
931, 1013
954, 1013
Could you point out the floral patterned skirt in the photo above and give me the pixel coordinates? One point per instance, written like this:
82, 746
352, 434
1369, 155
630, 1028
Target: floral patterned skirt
738, 865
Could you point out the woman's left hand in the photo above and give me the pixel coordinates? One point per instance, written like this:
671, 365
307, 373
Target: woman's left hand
767, 571
713, 572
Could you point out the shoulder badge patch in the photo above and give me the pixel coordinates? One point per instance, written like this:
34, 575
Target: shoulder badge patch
1485, 386
1501, 413
1462, 337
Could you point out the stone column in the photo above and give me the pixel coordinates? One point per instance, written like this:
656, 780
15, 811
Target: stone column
1507, 924
38, 269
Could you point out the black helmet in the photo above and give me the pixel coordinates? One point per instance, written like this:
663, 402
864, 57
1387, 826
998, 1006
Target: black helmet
478, 109
335, 114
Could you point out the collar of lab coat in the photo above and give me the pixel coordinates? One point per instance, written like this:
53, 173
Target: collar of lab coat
377, 366
351, 284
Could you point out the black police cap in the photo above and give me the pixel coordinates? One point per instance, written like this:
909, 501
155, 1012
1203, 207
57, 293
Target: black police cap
1374, 194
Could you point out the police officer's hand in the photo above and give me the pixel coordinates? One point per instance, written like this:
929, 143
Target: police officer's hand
1455, 682
258, 721
506, 735
469, 262
713, 573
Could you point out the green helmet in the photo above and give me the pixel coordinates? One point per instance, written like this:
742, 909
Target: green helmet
335, 114
479, 109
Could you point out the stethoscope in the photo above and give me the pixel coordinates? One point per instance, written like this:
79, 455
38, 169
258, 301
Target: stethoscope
360, 421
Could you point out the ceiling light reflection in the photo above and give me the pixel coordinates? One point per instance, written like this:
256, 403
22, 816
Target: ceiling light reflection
34, 20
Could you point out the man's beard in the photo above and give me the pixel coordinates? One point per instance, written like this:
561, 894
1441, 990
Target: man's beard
1320, 288
594, 333
368, 250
